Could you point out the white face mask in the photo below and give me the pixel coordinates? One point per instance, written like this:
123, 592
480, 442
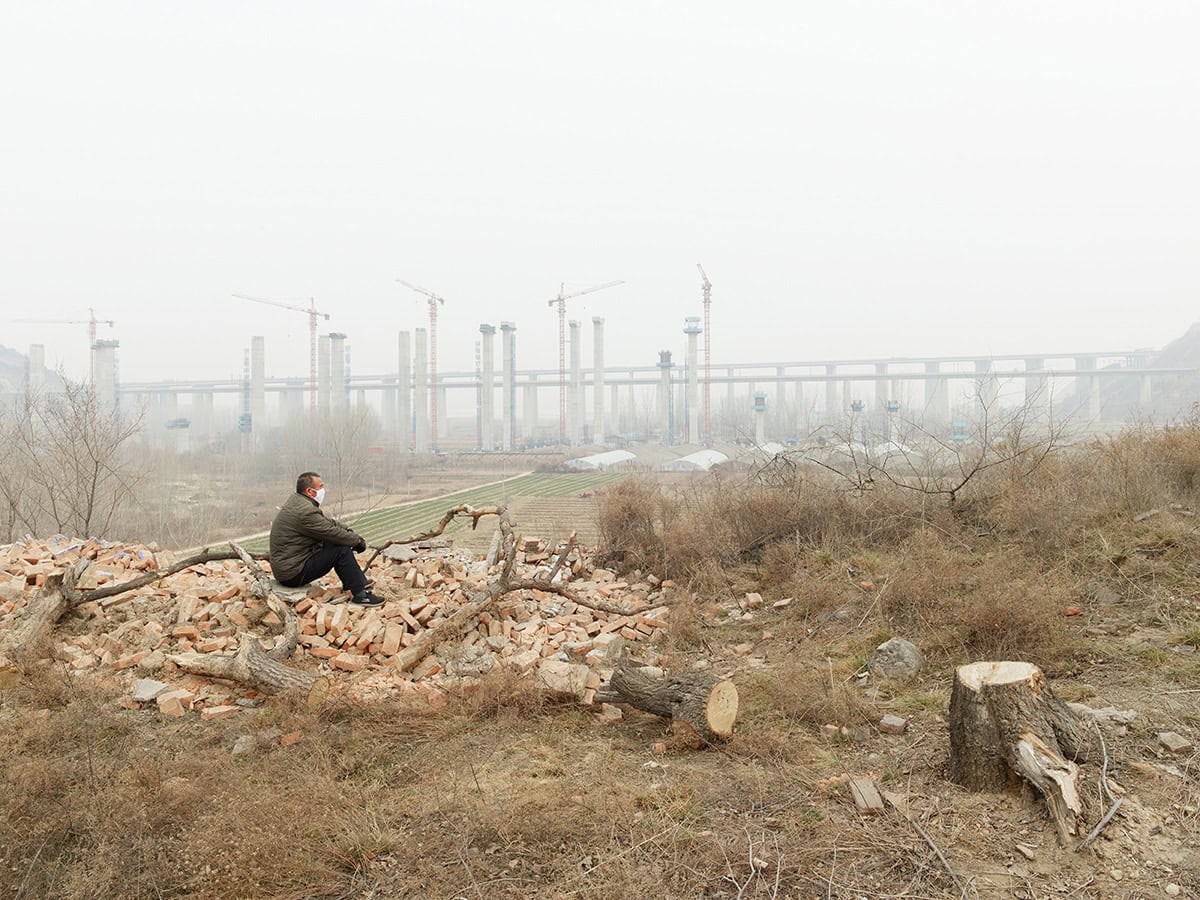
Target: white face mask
320, 495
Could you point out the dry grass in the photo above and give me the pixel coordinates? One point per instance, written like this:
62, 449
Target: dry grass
505, 792
481, 800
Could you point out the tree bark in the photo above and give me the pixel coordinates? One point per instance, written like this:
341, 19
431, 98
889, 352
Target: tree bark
709, 705
1005, 723
42, 613
253, 666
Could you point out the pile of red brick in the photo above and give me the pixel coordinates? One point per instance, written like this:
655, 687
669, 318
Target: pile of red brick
208, 608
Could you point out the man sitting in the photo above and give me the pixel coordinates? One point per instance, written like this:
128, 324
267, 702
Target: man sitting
305, 543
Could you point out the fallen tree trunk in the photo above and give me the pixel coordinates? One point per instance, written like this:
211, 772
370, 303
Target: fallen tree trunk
1005, 722
31, 630
708, 705
251, 665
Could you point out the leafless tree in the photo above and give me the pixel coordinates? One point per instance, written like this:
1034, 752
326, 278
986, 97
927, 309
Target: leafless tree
928, 461
68, 461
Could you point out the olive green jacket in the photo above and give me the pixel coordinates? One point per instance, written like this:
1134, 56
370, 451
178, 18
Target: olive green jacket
299, 530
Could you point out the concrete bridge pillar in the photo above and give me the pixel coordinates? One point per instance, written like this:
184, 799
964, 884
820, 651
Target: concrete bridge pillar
987, 387
574, 423
691, 420
292, 404
883, 386
339, 397
508, 389
35, 378
404, 401
832, 406
598, 418
531, 410
421, 438
665, 419
258, 381
104, 354
202, 409
389, 407
760, 417
937, 394
323, 375
487, 387
439, 397
1037, 387
1087, 387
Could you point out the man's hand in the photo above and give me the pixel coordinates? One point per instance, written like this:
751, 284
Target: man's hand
361, 546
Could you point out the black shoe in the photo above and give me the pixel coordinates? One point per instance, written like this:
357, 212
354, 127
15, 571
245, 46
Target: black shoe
366, 598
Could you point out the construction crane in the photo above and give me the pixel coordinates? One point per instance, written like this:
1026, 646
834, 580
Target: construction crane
313, 315
91, 322
434, 300
561, 300
706, 285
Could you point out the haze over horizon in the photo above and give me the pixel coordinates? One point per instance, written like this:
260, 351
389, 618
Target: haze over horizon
857, 180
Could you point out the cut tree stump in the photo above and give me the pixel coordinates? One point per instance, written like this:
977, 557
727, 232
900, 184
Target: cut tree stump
1006, 722
709, 705
28, 635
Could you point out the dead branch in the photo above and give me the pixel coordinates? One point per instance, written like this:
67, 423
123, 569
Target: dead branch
562, 557
205, 555
463, 509
538, 584
1112, 811
501, 585
954, 876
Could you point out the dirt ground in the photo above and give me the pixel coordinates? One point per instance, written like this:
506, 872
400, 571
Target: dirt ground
503, 791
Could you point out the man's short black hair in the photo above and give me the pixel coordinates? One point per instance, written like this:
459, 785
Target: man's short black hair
305, 481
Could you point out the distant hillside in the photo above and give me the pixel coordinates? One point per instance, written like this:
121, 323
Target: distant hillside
1172, 396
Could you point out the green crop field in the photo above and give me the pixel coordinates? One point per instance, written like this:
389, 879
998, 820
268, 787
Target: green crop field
403, 521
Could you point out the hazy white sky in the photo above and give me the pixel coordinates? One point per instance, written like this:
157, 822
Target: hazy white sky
857, 178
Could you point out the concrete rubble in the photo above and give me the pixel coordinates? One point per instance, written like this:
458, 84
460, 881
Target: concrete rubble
560, 645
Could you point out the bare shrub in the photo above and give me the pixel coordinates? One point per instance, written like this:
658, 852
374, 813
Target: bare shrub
684, 624
1021, 618
975, 605
631, 521
814, 694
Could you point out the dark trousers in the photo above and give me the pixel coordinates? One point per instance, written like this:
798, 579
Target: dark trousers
338, 557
